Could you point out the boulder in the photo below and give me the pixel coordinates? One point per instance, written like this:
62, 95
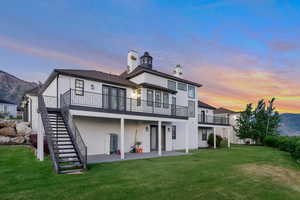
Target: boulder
23, 129
4, 140
18, 140
8, 131
4, 124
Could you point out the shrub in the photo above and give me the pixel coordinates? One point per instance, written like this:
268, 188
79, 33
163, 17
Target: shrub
271, 141
296, 152
283, 143
210, 140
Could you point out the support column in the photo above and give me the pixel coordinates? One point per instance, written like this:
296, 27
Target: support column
40, 140
229, 138
159, 138
215, 139
122, 139
186, 137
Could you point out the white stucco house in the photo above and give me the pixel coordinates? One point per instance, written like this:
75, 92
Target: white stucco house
89, 113
8, 108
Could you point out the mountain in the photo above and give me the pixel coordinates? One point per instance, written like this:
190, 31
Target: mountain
12, 88
290, 124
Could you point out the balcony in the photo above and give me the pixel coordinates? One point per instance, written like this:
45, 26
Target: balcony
97, 102
213, 120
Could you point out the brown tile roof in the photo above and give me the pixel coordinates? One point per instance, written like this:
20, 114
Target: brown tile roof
204, 105
141, 69
97, 76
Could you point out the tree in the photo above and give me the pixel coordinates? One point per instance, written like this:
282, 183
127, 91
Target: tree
244, 123
259, 123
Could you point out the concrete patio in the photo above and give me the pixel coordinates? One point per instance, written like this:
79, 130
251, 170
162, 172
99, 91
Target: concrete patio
102, 158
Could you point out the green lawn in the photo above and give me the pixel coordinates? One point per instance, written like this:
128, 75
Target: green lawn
241, 173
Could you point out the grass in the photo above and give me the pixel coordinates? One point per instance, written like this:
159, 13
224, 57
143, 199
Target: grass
246, 172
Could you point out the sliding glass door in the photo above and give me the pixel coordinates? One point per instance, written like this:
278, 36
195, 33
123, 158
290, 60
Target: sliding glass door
114, 98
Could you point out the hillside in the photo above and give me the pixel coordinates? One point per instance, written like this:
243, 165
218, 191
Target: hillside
12, 88
290, 124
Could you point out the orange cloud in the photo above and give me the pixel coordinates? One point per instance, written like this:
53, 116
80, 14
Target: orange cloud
234, 88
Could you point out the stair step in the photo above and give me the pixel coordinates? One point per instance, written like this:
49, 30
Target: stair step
64, 148
72, 171
65, 152
62, 144
64, 157
59, 137
69, 161
70, 166
69, 140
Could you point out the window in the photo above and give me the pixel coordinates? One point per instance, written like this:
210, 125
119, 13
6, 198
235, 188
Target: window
191, 92
182, 86
157, 99
138, 99
191, 108
166, 100
204, 134
79, 87
172, 85
113, 98
173, 132
149, 97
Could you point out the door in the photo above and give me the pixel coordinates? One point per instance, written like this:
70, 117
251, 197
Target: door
113, 98
173, 106
113, 143
154, 138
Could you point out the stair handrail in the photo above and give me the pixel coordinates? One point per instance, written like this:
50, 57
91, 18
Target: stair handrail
48, 130
80, 146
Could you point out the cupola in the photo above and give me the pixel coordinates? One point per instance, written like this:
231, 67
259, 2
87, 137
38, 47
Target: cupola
146, 60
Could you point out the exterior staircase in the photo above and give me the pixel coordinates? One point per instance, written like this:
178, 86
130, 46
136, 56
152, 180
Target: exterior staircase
64, 148
67, 149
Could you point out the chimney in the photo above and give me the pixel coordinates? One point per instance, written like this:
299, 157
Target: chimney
178, 71
132, 60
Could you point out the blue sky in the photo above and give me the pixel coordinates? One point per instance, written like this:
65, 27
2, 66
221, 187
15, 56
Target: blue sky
240, 50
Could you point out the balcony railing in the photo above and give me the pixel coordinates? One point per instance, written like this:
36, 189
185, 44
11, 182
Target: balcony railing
118, 104
209, 119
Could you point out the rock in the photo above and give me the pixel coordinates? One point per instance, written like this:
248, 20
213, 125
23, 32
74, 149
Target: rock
4, 124
23, 129
8, 131
4, 140
18, 140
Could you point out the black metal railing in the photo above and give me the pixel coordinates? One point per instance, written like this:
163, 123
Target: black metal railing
210, 119
48, 130
121, 104
80, 146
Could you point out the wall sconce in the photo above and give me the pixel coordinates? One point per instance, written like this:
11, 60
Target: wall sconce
168, 129
134, 94
147, 128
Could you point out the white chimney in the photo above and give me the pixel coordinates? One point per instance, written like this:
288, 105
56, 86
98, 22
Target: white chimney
178, 71
132, 60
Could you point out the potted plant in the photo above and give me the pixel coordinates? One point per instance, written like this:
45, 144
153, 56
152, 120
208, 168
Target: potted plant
137, 147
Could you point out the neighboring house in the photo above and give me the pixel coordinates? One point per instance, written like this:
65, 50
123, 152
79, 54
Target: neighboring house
29, 106
8, 108
233, 116
88, 113
211, 123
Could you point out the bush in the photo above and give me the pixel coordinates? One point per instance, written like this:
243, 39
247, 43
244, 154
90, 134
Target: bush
271, 141
296, 152
283, 143
210, 140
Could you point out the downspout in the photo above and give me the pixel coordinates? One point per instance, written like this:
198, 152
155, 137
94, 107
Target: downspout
57, 90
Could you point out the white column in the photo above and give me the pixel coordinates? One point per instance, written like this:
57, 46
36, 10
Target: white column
40, 140
228, 136
159, 138
186, 137
215, 139
122, 139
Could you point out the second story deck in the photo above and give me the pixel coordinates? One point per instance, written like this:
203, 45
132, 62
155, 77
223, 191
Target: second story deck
213, 120
120, 104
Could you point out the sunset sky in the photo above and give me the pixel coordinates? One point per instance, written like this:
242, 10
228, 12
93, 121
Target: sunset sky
240, 50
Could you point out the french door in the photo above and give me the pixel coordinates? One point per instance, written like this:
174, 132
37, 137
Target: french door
154, 138
113, 98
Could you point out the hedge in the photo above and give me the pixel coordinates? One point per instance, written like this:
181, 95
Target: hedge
284, 143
